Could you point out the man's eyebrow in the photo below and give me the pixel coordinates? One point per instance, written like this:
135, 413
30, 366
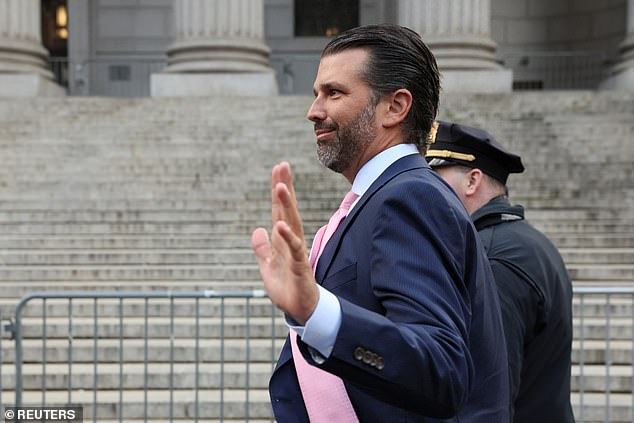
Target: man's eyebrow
329, 86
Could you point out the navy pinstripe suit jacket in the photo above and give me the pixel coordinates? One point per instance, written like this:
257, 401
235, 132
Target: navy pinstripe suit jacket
421, 338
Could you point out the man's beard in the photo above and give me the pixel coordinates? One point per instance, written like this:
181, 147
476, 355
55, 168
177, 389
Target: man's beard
350, 142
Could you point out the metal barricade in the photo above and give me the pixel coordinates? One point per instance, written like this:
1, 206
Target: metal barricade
603, 354
155, 355
149, 355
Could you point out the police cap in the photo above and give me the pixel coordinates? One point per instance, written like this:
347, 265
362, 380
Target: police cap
455, 144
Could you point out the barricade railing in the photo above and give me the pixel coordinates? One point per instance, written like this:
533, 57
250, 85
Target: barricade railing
226, 343
603, 354
195, 327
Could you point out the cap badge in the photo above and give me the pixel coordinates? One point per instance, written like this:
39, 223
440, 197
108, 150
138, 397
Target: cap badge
431, 138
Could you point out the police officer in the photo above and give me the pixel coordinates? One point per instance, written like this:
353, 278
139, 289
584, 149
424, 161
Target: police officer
534, 287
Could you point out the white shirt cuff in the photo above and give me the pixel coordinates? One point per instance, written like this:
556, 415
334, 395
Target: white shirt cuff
323, 325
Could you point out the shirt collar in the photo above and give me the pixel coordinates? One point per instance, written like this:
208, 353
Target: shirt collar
371, 171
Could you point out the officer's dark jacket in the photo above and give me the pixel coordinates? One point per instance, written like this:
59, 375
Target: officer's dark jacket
535, 297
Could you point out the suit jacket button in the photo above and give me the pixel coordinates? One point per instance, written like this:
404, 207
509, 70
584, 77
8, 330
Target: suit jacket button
379, 363
358, 353
373, 360
367, 357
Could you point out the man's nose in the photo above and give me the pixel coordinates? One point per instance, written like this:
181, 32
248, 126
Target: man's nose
316, 112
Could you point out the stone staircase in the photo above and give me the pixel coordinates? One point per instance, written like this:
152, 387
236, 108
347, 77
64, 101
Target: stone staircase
162, 194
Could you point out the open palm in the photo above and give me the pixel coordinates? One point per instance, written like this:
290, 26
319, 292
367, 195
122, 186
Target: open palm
284, 267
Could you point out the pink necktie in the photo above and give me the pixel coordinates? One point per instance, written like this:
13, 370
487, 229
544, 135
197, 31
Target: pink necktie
324, 233
324, 394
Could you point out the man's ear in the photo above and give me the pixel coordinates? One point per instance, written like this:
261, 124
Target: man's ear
398, 105
475, 179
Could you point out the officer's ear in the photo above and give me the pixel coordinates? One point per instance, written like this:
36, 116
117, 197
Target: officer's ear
475, 179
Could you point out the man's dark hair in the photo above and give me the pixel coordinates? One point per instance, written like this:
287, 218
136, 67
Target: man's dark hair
397, 58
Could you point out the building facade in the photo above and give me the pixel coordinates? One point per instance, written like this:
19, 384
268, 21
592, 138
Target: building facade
262, 47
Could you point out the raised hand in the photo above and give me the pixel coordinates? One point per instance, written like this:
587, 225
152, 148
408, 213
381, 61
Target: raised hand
284, 267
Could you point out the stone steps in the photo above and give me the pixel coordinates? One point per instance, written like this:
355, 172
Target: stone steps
585, 227
234, 377
162, 315
621, 272
112, 376
237, 255
173, 242
596, 306
234, 403
200, 240
598, 255
583, 240
212, 273
595, 380
590, 409
241, 209
113, 194
183, 349
593, 407
240, 222
163, 194
594, 333
57, 350
157, 306
161, 329
595, 327
144, 241
82, 373
595, 352
12, 291
227, 208
591, 213
158, 327
173, 159
138, 272
591, 309
211, 227
127, 256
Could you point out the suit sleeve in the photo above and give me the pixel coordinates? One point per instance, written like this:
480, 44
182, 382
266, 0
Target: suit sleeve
416, 257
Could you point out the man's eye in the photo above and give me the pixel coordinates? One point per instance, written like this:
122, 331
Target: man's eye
334, 92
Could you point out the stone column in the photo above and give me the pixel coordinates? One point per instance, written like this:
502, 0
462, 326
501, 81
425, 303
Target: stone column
24, 70
219, 49
622, 74
459, 34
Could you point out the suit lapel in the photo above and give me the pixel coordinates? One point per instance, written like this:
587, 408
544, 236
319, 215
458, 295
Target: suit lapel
404, 164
